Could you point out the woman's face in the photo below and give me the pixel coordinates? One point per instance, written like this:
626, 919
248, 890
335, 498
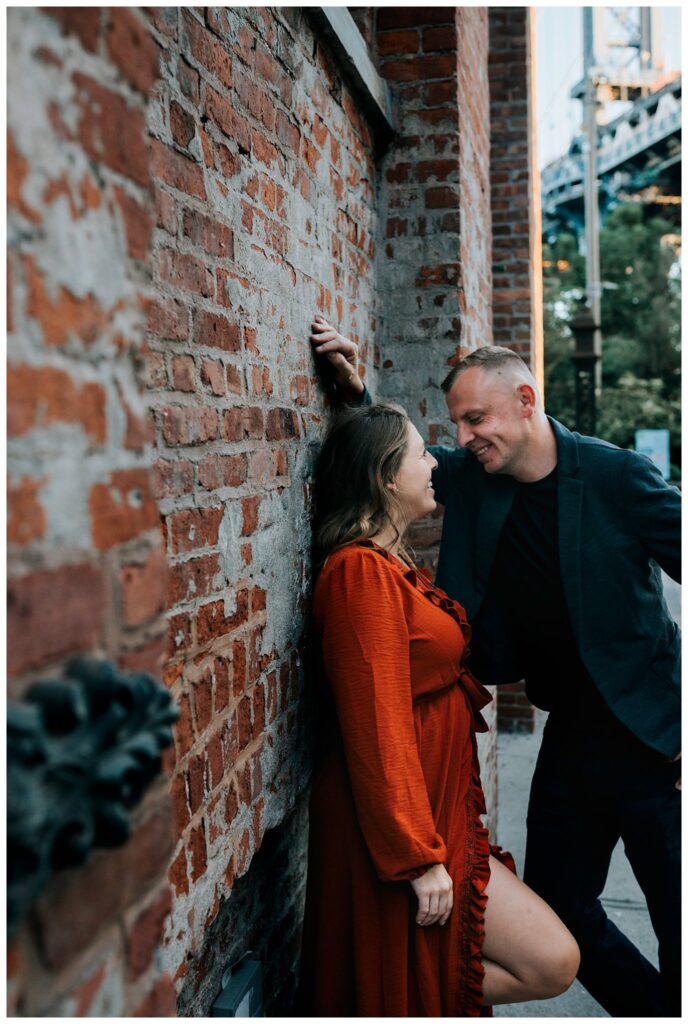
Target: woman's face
412, 483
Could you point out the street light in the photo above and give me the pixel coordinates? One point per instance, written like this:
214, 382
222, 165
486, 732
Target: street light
584, 359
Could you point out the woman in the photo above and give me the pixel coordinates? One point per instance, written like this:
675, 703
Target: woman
409, 911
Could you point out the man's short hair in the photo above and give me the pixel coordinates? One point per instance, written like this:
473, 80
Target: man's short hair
490, 357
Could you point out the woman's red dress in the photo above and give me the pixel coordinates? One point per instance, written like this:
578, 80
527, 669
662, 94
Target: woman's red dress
399, 791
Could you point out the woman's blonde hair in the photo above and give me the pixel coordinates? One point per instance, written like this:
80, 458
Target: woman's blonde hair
361, 455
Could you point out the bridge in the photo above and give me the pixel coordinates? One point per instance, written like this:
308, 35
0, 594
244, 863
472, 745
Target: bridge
638, 158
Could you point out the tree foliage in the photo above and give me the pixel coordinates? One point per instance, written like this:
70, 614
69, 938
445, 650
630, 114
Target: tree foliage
641, 321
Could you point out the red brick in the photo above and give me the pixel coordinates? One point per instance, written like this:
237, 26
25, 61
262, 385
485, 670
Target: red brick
143, 589
233, 125
203, 701
215, 760
167, 319
111, 131
184, 738
215, 331
421, 68
172, 479
250, 509
177, 170
259, 600
263, 150
52, 613
216, 471
183, 373
198, 853
64, 316
221, 673
165, 210
114, 879
121, 508
228, 162
182, 125
194, 578
282, 424
441, 198
239, 667
234, 380
132, 48
82, 22
441, 170
258, 709
194, 528
161, 1000
211, 621
207, 50
182, 425
197, 788
213, 375
238, 424
177, 874
405, 42
244, 722
186, 272
40, 396
146, 933
209, 234
138, 225
179, 634
439, 39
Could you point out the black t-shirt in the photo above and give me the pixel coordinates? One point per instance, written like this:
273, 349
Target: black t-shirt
526, 575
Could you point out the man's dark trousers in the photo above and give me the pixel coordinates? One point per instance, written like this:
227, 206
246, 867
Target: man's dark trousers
592, 786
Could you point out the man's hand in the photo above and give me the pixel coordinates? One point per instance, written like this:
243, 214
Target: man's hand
340, 352
435, 892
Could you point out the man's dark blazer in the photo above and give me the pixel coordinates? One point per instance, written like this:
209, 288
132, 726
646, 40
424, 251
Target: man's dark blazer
618, 522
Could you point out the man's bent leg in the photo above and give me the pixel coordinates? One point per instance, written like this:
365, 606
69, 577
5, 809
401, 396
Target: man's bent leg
651, 831
572, 831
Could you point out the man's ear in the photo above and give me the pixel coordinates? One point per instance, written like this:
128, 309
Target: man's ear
527, 399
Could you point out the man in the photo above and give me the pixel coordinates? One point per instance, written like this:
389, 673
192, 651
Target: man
553, 542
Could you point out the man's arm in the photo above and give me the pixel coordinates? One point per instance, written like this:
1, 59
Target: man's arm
654, 509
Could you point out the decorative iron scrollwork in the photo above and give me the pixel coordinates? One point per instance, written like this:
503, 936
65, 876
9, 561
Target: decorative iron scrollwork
81, 751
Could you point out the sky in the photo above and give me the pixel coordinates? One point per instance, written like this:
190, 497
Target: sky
559, 65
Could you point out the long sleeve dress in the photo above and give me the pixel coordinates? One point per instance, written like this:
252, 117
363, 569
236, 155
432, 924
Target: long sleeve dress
398, 791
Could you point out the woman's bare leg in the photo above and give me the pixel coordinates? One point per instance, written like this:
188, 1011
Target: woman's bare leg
527, 952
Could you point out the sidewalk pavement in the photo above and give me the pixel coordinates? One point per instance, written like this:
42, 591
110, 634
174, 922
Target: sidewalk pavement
622, 897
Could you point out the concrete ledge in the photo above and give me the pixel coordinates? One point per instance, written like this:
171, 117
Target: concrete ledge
349, 45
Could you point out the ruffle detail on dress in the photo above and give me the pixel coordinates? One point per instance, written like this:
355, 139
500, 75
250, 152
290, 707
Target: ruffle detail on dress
472, 996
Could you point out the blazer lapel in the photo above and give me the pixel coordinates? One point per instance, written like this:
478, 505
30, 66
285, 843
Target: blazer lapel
570, 495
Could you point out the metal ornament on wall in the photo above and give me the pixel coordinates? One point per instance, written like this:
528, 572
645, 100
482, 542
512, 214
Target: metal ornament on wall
80, 753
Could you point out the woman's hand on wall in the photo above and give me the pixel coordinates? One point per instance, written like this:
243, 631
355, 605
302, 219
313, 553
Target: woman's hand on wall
341, 353
435, 892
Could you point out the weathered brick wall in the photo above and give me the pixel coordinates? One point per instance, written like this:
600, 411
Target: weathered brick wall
435, 264
514, 180
85, 560
264, 185
516, 232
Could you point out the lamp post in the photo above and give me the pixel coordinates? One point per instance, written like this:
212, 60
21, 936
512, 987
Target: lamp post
585, 359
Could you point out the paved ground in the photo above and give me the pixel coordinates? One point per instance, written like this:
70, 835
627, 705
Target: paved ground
622, 897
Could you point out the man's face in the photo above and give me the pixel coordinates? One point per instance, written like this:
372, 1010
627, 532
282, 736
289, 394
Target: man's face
491, 412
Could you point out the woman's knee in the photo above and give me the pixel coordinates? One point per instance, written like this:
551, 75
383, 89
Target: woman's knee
556, 969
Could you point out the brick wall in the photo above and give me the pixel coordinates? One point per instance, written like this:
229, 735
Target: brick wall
516, 232
86, 565
186, 187
264, 191
435, 265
